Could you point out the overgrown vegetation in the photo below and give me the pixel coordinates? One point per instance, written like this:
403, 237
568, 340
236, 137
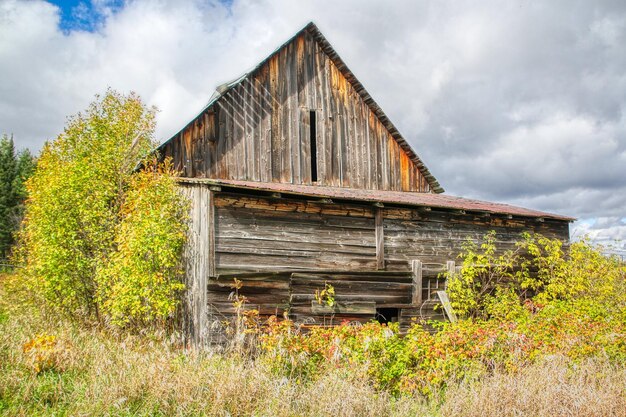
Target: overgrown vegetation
57, 367
138, 284
519, 306
424, 363
494, 283
100, 242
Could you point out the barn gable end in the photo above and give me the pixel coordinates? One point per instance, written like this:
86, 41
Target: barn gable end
299, 117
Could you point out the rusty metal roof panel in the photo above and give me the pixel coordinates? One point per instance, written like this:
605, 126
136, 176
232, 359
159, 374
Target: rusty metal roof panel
443, 201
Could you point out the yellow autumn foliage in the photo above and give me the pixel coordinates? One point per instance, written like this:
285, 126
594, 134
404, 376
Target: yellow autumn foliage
101, 241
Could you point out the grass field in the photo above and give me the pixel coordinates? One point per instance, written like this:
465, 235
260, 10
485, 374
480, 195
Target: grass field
51, 366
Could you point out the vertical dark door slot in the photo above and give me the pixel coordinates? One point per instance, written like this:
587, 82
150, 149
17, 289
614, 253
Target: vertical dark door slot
313, 145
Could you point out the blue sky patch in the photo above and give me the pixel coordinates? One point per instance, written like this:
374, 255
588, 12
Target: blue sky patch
88, 15
85, 15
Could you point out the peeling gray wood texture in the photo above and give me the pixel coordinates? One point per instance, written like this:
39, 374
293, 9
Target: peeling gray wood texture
255, 232
259, 130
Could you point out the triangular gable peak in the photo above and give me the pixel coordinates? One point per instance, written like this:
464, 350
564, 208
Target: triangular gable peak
299, 117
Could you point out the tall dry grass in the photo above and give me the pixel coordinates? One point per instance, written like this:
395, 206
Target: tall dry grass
94, 372
553, 387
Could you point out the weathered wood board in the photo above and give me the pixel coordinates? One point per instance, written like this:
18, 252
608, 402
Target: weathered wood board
197, 262
256, 233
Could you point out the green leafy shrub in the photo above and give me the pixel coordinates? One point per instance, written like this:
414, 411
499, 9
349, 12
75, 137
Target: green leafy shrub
484, 272
75, 197
141, 280
468, 349
99, 241
494, 284
580, 271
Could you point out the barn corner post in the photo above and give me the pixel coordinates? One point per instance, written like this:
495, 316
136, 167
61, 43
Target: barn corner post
380, 238
199, 262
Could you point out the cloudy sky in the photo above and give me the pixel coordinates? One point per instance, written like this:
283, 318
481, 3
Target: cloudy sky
521, 101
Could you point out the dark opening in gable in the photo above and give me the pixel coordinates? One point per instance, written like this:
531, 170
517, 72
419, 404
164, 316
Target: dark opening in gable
313, 145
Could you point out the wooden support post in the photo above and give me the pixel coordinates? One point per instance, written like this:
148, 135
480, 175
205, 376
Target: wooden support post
450, 267
380, 239
416, 269
452, 270
211, 235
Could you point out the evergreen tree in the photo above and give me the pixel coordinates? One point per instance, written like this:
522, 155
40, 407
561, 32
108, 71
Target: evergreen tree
15, 169
8, 173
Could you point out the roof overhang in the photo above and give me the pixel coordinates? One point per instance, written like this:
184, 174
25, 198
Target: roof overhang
400, 198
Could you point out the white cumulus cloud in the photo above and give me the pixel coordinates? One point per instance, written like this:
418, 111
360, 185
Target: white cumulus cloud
520, 102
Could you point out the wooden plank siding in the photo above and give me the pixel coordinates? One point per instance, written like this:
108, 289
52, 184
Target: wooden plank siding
259, 129
356, 247
293, 294
260, 233
255, 232
198, 261
437, 236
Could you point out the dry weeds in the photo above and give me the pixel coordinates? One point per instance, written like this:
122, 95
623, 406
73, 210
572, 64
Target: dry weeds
555, 387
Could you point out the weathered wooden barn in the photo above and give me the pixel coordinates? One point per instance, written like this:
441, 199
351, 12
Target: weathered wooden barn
297, 178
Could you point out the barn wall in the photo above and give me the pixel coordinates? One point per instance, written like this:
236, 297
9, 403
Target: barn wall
437, 236
264, 234
198, 262
293, 293
256, 233
312, 242
260, 130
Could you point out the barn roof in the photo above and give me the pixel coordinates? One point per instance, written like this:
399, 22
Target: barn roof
356, 84
442, 201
